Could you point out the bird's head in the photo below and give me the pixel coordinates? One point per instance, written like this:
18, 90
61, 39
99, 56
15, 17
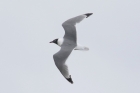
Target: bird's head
55, 41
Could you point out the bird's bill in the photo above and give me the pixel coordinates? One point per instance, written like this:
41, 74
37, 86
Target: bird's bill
51, 42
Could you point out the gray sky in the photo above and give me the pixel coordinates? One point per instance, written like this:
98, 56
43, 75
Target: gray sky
112, 33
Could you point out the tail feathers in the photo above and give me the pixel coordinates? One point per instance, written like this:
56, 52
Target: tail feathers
83, 48
86, 48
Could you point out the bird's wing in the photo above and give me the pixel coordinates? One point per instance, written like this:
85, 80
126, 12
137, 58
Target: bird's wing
69, 26
60, 58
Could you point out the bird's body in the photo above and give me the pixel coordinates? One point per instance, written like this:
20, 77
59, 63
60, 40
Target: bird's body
68, 43
78, 46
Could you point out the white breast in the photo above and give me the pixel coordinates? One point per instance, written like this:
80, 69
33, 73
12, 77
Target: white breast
60, 41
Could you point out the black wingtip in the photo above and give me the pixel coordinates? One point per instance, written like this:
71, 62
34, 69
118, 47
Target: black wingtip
70, 79
88, 14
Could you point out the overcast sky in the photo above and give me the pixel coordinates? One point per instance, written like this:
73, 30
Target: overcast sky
112, 65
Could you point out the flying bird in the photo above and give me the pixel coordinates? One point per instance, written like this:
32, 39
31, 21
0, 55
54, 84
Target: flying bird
68, 43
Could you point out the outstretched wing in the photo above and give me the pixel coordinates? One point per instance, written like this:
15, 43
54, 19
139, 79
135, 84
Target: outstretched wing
60, 58
69, 26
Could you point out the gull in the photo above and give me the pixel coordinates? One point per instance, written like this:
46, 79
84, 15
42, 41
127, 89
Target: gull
68, 43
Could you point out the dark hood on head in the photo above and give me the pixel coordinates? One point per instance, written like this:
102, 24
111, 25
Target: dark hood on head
54, 41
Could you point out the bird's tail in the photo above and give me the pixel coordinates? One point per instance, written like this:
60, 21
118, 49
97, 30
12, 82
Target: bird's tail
82, 48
